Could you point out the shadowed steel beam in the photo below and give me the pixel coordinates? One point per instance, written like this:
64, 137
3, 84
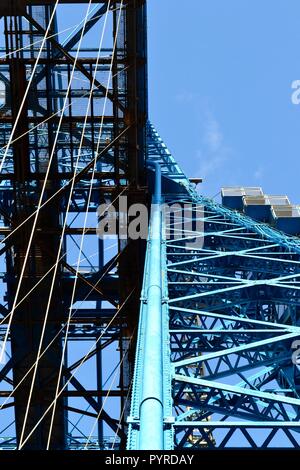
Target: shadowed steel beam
92, 21
71, 59
237, 390
237, 424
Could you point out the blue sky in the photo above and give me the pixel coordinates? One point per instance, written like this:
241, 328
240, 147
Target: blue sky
220, 75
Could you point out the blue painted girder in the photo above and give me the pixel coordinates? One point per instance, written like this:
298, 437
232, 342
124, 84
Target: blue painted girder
230, 315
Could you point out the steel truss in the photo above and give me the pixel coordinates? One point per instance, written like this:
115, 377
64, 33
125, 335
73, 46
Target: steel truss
98, 155
229, 303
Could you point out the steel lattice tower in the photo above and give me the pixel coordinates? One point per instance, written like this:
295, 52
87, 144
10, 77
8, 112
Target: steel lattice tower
185, 341
70, 132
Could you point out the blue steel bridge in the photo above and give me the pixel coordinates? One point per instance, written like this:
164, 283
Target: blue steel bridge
189, 340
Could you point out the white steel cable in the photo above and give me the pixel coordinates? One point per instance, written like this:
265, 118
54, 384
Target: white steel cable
59, 332
31, 290
46, 274
62, 236
122, 414
10, 314
40, 204
89, 406
86, 258
69, 319
75, 370
73, 28
86, 216
52, 267
63, 187
58, 111
41, 197
28, 87
63, 232
20, 49
108, 392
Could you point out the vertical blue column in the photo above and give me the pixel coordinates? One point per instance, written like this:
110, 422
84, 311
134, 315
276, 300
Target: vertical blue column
151, 407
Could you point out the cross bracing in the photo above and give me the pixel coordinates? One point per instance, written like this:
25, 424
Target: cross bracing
72, 137
230, 319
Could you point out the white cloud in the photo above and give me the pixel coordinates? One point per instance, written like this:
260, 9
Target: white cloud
214, 153
259, 173
209, 165
185, 97
213, 136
